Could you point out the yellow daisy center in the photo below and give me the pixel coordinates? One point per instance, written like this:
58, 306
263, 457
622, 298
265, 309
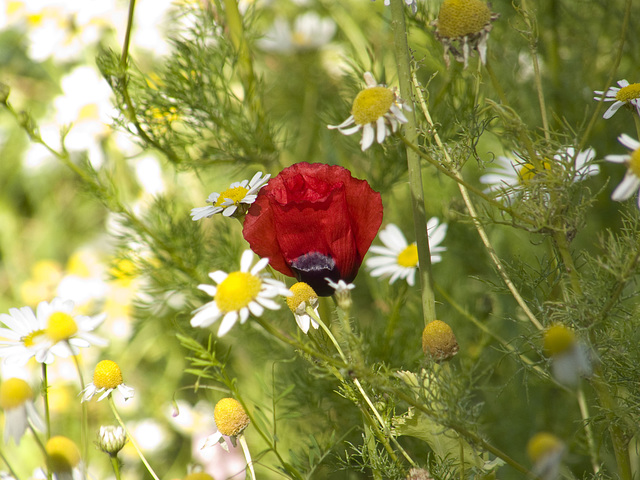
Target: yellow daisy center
302, 292
371, 103
107, 375
409, 256
230, 417
634, 163
62, 454
33, 338
237, 291
236, 194
14, 392
630, 92
528, 171
558, 339
541, 445
439, 341
61, 326
458, 18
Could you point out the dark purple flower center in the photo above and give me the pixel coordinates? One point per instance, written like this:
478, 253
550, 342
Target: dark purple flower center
312, 268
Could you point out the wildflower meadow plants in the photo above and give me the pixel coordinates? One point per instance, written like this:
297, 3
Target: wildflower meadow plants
409, 267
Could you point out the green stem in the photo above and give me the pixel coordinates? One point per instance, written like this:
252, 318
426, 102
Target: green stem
115, 464
131, 439
395, 316
9, 467
619, 439
84, 423
127, 36
591, 444
530, 21
560, 240
247, 455
614, 69
402, 55
496, 83
45, 397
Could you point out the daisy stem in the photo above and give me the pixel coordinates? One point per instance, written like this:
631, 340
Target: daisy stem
403, 64
247, 455
37, 439
494, 257
84, 423
395, 315
115, 463
496, 84
561, 243
584, 413
127, 36
45, 397
530, 21
6, 462
382, 435
131, 439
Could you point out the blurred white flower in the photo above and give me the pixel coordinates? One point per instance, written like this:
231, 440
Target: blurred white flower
310, 32
631, 181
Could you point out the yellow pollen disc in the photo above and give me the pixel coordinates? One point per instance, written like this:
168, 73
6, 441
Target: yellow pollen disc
409, 256
630, 92
458, 18
62, 454
634, 163
438, 341
558, 339
371, 103
31, 339
107, 375
528, 171
541, 445
237, 291
236, 194
230, 417
14, 392
61, 326
302, 292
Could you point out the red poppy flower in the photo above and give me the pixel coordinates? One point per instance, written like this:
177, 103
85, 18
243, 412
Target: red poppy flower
314, 221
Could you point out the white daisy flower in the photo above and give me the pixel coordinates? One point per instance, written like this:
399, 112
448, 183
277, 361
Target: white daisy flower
625, 94
234, 200
53, 332
107, 377
376, 110
310, 32
303, 302
16, 400
397, 259
238, 294
508, 177
631, 181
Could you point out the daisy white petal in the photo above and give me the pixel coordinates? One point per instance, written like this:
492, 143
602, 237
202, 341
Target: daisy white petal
230, 200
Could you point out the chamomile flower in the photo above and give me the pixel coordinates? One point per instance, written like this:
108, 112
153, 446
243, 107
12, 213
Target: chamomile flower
234, 200
231, 420
438, 341
631, 181
376, 110
511, 174
107, 377
342, 293
463, 26
569, 357
397, 259
310, 32
303, 298
52, 332
545, 451
626, 94
16, 400
237, 294
63, 456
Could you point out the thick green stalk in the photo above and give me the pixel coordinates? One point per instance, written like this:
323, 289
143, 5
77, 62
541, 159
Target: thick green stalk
402, 54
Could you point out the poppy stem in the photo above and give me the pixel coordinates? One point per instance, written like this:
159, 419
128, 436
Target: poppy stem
402, 53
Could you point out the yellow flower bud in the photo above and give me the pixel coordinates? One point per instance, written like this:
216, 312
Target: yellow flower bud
438, 341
